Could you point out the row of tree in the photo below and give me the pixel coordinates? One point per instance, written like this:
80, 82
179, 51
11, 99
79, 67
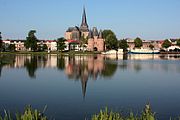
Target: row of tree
112, 42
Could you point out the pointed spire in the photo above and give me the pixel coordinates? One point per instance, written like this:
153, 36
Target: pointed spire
90, 35
95, 31
84, 25
100, 34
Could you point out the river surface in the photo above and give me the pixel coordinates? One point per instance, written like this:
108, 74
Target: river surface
76, 87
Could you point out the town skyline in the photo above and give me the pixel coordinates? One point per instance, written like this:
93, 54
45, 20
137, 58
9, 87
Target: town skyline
148, 20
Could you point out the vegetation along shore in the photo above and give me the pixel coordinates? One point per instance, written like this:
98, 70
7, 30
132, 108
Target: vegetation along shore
33, 114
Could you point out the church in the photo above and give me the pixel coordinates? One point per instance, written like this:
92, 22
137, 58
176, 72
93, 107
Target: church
94, 38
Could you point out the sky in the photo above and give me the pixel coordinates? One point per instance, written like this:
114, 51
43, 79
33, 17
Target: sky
147, 19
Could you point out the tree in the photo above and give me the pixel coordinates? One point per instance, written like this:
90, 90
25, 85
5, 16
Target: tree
83, 41
110, 39
151, 46
105, 33
123, 44
61, 43
12, 47
31, 41
166, 43
178, 42
138, 42
1, 43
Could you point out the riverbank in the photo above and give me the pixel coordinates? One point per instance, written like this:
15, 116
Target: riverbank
54, 52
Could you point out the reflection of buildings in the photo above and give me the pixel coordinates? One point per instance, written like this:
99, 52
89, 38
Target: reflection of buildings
84, 67
78, 66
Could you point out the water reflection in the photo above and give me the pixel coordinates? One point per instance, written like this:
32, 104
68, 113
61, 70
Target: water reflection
79, 67
82, 68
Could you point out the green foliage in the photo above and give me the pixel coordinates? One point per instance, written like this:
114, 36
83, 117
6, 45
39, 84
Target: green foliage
151, 46
105, 33
166, 43
138, 42
83, 41
147, 114
31, 41
110, 39
12, 47
61, 44
123, 44
7, 116
106, 115
178, 42
29, 114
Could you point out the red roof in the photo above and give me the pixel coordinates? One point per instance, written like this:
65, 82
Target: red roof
73, 41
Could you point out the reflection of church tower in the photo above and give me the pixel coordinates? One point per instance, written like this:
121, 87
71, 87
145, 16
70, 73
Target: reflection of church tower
84, 81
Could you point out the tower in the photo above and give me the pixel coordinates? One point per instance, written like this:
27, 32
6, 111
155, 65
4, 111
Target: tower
84, 25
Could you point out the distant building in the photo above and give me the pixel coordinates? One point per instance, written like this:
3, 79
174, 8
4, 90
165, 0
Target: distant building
74, 36
145, 43
19, 44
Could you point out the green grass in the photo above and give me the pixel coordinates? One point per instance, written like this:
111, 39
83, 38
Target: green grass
28, 114
33, 114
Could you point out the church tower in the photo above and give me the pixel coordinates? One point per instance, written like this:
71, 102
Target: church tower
84, 26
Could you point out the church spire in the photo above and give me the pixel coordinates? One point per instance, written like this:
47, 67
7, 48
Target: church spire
84, 25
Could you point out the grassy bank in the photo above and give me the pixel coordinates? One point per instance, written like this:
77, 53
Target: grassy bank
34, 114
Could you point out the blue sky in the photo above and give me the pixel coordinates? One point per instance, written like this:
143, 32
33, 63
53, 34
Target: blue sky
148, 19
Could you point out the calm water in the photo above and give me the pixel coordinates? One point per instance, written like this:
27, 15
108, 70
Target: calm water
74, 88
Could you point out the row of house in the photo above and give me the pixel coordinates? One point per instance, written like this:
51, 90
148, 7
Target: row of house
19, 44
156, 43
95, 43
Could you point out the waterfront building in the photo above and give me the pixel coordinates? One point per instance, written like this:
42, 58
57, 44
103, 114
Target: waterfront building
145, 43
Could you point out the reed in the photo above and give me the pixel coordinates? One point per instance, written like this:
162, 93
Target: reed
28, 114
146, 114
